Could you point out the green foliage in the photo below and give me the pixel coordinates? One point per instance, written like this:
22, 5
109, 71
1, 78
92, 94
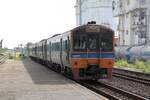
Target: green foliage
10, 56
18, 56
148, 66
2, 50
137, 65
15, 55
121, 63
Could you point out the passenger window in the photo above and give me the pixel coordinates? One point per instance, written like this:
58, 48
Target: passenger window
106, 43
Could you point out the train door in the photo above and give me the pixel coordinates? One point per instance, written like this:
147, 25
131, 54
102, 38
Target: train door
61, 51
65, 51
45, 51
68, 50
50, 59
42, 46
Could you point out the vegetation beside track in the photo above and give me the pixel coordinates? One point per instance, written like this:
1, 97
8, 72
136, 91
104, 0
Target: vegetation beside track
137, 65
16, 56
11, 54
3, 50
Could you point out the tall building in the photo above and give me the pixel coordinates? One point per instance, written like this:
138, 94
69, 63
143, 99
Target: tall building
134, 21
95, 10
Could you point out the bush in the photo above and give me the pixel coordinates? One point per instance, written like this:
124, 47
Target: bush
140, 64
19, 56
122, 63
137, 65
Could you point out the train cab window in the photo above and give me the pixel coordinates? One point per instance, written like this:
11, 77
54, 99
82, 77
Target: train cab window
93, 41
106, 42
79, 42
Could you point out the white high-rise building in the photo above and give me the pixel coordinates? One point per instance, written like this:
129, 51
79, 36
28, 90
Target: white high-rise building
95, 10
134, 21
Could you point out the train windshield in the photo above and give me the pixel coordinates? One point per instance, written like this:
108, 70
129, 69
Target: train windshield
79, 42
93, 42
84, 42
106, 42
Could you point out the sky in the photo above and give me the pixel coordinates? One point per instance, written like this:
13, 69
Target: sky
23, 21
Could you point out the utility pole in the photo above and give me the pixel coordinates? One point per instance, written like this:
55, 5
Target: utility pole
80, 12
1, 43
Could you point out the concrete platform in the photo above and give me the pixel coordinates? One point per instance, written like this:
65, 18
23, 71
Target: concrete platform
27, 80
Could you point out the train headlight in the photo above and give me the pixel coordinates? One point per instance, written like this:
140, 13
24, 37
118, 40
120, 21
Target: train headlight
110, 63
75, 63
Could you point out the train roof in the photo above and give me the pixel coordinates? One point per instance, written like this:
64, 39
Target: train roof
86, 27
92, 27
43, 40
55, 35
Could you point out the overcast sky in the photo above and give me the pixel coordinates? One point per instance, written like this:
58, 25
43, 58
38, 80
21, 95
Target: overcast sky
23, 21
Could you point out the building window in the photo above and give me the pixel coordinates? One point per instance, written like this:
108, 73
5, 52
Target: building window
143, 35
142, 2
127, 32
127, 15
128, 2
113, 5
120, 4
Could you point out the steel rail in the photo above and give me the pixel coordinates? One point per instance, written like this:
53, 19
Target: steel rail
130, 71
124, 92
132, 75
132, 78
103, 93
97, 88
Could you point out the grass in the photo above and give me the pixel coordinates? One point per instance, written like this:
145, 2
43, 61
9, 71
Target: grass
3, 50
17, 56
11, 54
137, 65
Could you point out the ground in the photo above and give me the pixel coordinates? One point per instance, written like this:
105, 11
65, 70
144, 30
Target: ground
27, 80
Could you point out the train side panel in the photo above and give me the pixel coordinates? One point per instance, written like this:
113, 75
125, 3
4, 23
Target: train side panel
145, 53
86, 52
135, 53
48, 51
66, 49
56, 49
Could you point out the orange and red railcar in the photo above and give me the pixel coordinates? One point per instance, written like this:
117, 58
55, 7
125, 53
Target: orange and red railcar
83, 53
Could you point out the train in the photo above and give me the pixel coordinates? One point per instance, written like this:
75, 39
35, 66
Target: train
83, 53
133, 53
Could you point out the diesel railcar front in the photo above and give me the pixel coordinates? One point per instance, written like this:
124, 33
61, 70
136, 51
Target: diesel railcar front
84, 53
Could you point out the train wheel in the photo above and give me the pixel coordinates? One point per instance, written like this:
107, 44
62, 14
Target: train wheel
109, 72
58, 69
68, 72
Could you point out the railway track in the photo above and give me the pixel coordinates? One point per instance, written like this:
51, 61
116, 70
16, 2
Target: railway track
132, 76
111, 92
3, 58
